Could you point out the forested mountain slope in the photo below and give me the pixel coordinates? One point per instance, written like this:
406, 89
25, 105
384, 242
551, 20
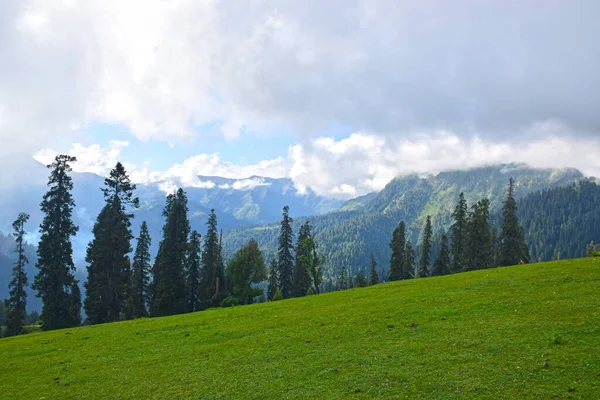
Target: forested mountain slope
347, 238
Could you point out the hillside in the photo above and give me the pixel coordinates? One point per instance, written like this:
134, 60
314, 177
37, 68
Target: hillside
484, 334
364, 226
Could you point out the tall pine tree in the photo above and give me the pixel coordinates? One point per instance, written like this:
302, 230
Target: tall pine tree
212, 278
373, 277
478, 246
245, 269
398, 243
513, 247
425, 259
193, 272
458, 233
140, 291
108, 288
409, 260
16, 305
285, 259
272, 280
55, 282
441, 265
302, 279
169, 295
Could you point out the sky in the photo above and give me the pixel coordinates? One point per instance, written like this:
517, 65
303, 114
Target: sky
338, 95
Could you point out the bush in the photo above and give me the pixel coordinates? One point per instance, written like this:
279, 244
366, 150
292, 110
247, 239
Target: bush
230, 301
278, 295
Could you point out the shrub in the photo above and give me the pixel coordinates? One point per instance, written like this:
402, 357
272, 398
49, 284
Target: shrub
230, 301
278, 295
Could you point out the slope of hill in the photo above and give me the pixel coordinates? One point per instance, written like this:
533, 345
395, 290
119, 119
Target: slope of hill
526, 332
347, 238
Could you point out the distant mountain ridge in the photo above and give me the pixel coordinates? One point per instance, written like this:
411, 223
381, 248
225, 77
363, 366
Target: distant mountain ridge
364, 226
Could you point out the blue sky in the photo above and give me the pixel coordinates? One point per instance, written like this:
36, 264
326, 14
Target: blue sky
339, 104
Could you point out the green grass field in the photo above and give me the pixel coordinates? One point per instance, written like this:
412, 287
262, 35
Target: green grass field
485, 334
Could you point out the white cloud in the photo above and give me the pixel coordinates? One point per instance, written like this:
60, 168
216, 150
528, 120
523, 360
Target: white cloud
162, 67
93, 158
362, 162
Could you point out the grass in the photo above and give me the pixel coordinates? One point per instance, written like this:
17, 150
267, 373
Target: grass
525, 332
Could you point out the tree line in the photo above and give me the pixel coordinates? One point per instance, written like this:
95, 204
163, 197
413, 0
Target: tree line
189, 272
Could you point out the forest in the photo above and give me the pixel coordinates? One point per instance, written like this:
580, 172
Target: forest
193, 271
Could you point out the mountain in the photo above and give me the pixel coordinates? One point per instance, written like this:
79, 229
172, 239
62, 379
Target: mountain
238, 202
348, 237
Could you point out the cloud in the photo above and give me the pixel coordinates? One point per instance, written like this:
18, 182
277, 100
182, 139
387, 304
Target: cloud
160, 68
93, 158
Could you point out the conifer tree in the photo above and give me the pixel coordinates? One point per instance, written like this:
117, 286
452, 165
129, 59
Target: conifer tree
478, 246
55, 282
272, 282
16, 305
285, 260
2, 315
458, 234
169, 287
373, 277
342, 284
398, 243
361, 280
513, 248
278, 295
409, 259
302, 280
350, 282
140, 291
245, 269
441, 266
425, 259
212, 277
310, 258
193, 272
108, 288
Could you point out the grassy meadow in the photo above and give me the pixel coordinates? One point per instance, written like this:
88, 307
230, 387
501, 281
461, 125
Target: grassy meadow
523, 332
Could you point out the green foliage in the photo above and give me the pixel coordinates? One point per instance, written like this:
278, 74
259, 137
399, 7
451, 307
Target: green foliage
169, 295
397, 265
409, 260
16, 304
55, 282
442, 265
478, 248
458, 234
285, 259
361, 280
278, 295
373, 277
230, 301
140, 293
245, 269
212, 277
310, 259
512, 246
426, 244
193, 261
272, 280
302, 279
464, 333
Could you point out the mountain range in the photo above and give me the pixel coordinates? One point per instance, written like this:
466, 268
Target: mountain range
347, 232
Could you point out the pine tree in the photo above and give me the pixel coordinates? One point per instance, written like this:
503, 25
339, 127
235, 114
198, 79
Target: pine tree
373, 277
55, 282
193, 272
442, 266
212, 277
513, 248
398, 243
278, 295
245, 269
342, 284
309, 257
458, 235
140, 296
285, 260
273, 281
409, 259
17, 302
169, 287
108, 288
361, 280
302, 280
425, 259
478, 245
